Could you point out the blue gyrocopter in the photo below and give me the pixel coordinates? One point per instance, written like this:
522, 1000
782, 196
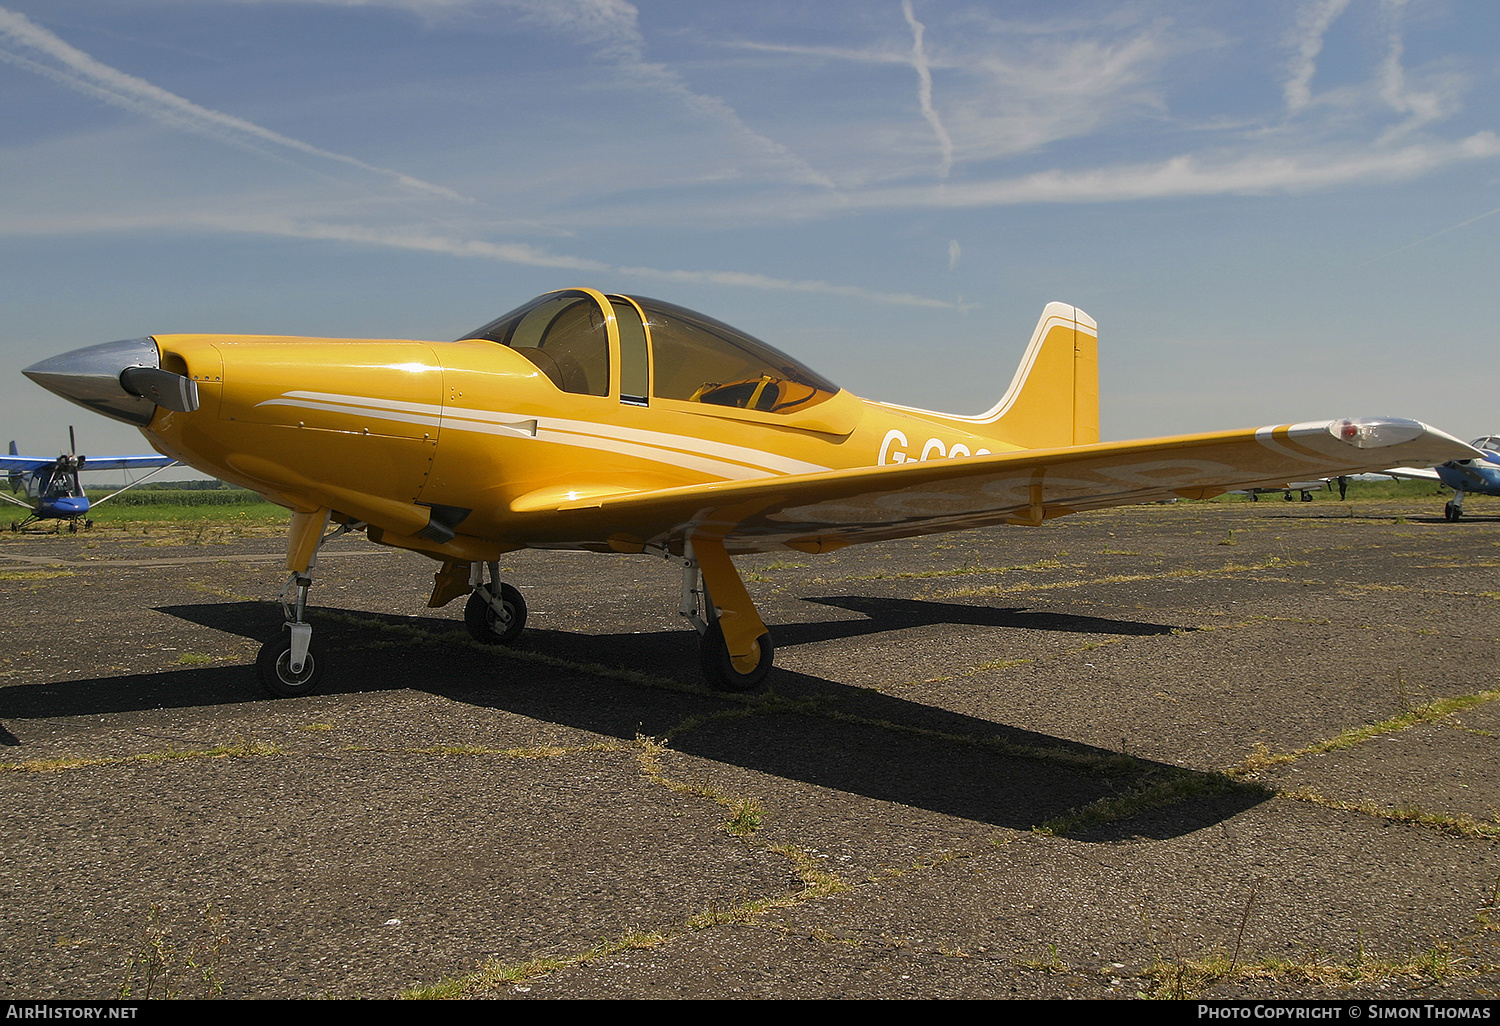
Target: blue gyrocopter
52, 485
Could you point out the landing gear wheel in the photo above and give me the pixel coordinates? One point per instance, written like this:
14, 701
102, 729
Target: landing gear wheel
489, 626
1452, 512
719, 670
274, 665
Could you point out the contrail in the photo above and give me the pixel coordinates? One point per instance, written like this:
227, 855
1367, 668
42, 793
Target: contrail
1435, 235
53, 58
1313, 22
613, 27
924, 88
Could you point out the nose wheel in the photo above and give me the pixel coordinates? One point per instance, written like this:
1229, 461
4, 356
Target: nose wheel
274, 666
290, 665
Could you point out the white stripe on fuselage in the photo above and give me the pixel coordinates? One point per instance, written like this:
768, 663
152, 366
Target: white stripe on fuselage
721, 459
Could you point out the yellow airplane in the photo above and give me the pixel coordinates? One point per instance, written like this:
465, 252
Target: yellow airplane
623, 424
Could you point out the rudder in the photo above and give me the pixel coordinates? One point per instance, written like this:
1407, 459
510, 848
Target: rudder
1053, 401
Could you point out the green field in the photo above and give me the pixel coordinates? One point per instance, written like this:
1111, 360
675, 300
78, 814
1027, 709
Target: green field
193, 514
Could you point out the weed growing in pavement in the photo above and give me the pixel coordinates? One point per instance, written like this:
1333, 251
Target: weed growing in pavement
1189, 978
745, 812
1051, 964
157, 970
244, 748
1264, 758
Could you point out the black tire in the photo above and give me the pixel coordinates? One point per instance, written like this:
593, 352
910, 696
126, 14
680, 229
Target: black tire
718, 668
488, 627
1452, 512
273, 667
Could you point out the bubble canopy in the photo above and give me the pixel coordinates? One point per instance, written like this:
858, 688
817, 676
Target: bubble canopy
664, 351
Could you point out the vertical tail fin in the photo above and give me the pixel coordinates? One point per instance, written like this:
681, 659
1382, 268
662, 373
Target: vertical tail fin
1053, 400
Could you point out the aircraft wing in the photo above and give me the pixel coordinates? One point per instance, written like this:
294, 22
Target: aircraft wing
1414, 473
126, 462
29, 463
24, 464
827, 510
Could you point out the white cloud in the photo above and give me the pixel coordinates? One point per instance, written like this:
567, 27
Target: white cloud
25, 44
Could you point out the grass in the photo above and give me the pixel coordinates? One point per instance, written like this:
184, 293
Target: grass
229, 510
1159, 789
746, 813
495, 973
1264, 758
1052, 963
225, 751
1269, 563
1189, 978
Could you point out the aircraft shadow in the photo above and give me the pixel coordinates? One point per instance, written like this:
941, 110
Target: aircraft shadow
889, 614
804, 728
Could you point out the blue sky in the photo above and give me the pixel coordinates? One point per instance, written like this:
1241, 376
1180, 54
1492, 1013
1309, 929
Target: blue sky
1276, 211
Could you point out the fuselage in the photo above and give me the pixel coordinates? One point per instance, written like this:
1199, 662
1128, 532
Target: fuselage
59, 494
388, 431
1477, 476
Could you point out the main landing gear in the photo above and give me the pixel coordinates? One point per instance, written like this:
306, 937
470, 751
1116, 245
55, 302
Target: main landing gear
495, 612
1455, 508
735, 650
